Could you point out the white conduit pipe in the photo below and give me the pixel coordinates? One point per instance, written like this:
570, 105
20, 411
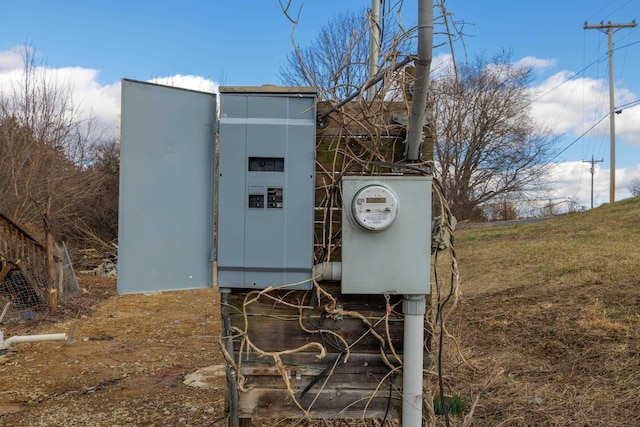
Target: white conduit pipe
331, 271
5, 344
414, 307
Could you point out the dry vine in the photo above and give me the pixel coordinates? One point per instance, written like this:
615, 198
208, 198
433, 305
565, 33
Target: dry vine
366, 140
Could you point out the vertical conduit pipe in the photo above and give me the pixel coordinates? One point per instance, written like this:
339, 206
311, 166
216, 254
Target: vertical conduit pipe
413, 307
421, 81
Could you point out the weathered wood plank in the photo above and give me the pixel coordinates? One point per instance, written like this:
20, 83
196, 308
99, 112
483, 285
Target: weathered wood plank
365, 372
335, 403
274, 326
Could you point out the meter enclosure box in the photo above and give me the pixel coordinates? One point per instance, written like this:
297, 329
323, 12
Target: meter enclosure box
386, 235
266, 187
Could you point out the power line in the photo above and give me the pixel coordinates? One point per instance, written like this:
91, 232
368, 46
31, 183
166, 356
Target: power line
580, 137
628, 104
603, 8
574, 76
578, 73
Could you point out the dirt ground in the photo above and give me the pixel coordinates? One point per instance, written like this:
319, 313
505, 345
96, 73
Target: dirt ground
126, 364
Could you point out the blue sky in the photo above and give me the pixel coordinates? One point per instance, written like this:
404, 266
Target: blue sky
199, 43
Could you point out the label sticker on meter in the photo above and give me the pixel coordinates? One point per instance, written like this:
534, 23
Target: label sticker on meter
374, 207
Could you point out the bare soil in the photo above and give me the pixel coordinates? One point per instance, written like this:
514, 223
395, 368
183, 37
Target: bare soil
125, 365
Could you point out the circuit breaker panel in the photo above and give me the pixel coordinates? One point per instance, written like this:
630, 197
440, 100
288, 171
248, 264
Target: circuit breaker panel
266, 186
386, 234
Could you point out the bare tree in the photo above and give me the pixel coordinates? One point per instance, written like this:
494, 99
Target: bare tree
99, 220
487, 145
336, 60
45, 144
488, 148
634, 187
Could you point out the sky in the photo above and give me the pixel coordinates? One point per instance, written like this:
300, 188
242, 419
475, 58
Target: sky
201, 44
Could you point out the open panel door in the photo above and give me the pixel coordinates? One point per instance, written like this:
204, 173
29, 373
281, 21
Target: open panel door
165, 226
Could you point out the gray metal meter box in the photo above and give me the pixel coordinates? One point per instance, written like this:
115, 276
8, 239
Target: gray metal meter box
386, 235
266, 186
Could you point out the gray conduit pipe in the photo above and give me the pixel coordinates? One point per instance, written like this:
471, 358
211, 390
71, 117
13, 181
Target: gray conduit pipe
421, 81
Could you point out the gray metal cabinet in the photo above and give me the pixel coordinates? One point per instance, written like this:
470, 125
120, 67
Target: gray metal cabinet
396, 259
266, 187
166, 188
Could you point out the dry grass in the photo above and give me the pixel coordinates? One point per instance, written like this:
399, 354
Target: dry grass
549, 321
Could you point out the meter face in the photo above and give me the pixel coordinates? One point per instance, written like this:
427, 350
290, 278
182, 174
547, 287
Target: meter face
374, 207
376, 200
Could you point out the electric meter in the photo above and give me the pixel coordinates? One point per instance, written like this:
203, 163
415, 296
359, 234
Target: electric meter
374, 207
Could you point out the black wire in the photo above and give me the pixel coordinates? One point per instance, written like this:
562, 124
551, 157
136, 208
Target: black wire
322, 374
439, 316
445, 410
325, 342
386, 412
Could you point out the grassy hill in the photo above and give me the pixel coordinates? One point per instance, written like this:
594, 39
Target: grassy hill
548, 325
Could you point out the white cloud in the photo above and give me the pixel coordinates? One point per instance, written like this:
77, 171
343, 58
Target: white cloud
569, 105
441, 63
90, 97
573, 105
10, 59
537, 63
628, 125
188, 82
565, 104
572, 181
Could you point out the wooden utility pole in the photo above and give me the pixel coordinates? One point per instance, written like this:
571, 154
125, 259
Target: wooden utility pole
50, 260
609, 29
593, 171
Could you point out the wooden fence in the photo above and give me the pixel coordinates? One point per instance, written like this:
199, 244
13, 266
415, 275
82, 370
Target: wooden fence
23, 278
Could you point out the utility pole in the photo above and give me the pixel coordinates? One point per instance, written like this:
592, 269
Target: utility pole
609, 29
374, 45
593, 171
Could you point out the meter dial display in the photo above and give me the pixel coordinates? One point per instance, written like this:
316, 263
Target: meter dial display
374, 207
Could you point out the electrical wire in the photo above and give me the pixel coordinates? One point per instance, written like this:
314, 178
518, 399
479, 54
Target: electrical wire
574, 76
578, 138
439, 320
628, 104
601, 9
386, 412
322, 374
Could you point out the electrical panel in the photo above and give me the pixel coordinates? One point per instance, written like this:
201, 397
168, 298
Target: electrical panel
386, 234
266, 187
